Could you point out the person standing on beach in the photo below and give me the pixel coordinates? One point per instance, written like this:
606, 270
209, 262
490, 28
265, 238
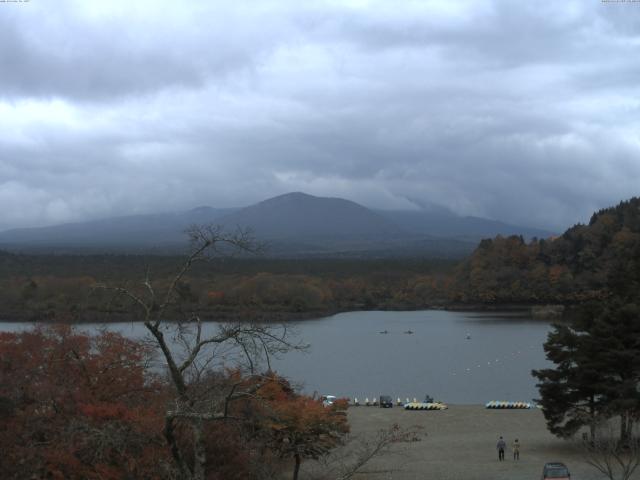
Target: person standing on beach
501, 445
516, 450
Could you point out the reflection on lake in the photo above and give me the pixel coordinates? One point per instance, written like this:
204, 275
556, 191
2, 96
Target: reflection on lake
456, 357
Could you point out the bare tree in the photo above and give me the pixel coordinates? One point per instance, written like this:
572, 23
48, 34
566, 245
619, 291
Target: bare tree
605, 452
189, 350
358, 452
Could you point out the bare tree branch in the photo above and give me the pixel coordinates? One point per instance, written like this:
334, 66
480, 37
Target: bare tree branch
187, 357
606, 453
357, 453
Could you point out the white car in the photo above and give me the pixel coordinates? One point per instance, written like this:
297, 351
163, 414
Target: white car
327, 400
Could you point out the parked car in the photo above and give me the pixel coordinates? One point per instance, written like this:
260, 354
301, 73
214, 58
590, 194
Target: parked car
327, 400
555, 471
386, 401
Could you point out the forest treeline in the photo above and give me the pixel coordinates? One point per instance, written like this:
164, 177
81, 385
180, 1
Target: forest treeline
61, 287
587, 262
584, 263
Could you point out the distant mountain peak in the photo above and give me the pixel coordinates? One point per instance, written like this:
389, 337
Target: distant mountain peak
296, 221
296, 197
300, 215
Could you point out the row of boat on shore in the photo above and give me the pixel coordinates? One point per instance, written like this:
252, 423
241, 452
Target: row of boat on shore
436, 405
499, 404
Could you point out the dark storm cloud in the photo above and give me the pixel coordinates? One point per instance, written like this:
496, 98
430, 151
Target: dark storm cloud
525, 112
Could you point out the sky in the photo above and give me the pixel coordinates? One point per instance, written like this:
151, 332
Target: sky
525, 112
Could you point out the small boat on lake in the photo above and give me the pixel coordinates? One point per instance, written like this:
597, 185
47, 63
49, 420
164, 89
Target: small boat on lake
408, 332
384, 332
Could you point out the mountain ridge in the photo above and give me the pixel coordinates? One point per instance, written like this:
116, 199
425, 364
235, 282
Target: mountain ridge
294, 223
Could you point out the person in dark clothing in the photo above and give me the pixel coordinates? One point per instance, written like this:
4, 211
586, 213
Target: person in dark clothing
501, 445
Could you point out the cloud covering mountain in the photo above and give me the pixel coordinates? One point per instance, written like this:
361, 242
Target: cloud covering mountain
498, 109
291, 225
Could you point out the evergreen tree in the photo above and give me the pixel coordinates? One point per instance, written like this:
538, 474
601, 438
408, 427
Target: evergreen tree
597, 372
571, 393
615, 332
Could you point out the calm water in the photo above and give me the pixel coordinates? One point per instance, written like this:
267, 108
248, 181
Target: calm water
349, 357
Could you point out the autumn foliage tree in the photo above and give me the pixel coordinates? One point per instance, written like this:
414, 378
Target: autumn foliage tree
74, 406
298, 426
586, 262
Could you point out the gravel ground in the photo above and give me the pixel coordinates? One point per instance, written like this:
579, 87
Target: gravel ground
459, 443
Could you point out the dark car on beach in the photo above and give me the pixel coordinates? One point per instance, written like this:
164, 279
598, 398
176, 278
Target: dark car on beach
555, 471
386, 401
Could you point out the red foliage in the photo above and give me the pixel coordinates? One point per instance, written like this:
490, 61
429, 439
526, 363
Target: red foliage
74, 406
299, 425
229, 454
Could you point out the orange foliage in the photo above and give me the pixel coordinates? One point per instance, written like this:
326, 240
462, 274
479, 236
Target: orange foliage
78, 407
299, 425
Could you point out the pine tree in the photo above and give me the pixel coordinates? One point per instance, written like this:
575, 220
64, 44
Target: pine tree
571, 393
597, 372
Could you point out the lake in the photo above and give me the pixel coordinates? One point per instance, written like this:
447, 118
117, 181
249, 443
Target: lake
456, 357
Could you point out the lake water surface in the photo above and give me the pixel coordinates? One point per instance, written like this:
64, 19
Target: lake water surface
348, 356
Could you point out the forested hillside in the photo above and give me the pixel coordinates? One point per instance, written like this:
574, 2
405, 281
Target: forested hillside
586, 262
61, 287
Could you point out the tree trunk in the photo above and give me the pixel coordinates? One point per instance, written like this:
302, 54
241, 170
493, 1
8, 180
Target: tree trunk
593, 422
176, 374
199, 451
626, 424
185, 473
296, 469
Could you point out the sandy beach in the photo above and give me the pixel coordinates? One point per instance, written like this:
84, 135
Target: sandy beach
459, 443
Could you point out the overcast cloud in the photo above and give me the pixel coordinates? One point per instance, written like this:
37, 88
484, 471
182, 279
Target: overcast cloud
527, 112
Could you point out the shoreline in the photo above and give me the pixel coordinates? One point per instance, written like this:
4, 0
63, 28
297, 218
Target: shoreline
48, 317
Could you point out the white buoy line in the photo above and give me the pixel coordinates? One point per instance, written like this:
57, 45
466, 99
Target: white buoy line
498, 362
